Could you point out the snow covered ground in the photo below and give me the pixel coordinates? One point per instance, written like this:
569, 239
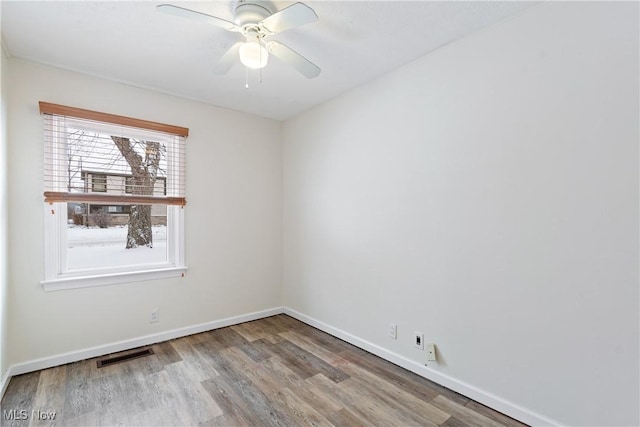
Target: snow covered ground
105, 247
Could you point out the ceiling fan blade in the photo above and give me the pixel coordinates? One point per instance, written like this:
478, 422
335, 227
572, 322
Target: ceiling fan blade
228, 60
297, 61
203, 17
289, 17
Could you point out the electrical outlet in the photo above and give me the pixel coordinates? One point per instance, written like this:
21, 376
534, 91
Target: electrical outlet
155, 316
431, 352
393, 331
418, 340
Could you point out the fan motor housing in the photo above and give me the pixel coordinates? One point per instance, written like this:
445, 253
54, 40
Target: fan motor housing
251, 12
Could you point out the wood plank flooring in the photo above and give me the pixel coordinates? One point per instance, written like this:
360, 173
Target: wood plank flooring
271, 372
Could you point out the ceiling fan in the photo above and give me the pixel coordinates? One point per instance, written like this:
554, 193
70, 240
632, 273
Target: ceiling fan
255, 21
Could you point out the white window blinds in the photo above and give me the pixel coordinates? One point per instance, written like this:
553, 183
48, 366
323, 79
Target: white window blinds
98, 157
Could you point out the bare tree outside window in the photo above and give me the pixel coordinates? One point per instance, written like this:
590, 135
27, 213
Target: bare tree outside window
144, 172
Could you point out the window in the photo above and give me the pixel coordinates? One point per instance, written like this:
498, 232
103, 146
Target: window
114, 198
99, 183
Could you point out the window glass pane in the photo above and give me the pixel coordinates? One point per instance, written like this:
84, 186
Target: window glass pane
107, 236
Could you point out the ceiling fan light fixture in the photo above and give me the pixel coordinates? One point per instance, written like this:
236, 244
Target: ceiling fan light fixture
252, 54
256, 21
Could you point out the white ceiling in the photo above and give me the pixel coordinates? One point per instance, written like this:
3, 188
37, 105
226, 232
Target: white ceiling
129, 41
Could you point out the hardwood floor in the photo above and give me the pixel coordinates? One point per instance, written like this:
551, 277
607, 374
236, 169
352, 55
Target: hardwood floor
271, 372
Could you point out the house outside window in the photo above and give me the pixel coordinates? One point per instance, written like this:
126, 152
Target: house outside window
114, 198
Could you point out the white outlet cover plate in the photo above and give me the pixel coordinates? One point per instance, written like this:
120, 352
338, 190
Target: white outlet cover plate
431, 352
393, 330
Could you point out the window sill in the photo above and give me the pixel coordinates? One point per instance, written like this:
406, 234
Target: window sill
111, 279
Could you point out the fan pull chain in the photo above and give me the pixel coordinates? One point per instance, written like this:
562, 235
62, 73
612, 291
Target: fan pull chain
246, 77
260, 41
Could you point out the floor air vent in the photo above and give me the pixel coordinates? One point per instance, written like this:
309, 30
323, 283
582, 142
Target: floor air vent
107, 361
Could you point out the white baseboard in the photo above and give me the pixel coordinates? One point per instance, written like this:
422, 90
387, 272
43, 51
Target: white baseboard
5, 382
74, 356
486, 398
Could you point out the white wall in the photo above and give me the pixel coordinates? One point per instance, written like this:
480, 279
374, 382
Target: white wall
4, 274
486, 195
233, 220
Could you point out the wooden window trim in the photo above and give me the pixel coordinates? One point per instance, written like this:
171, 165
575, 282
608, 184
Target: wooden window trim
63, 110
55, 197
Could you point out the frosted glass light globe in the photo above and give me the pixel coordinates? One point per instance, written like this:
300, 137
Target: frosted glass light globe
252, 54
